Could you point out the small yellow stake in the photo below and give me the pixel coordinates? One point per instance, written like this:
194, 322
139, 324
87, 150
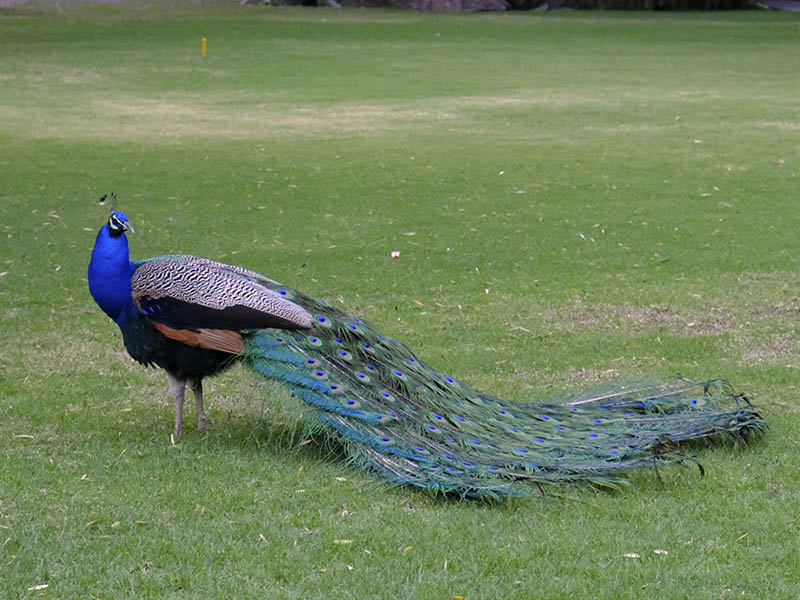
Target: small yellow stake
204, 47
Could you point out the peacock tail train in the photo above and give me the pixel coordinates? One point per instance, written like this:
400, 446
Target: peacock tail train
394, 414
414, 424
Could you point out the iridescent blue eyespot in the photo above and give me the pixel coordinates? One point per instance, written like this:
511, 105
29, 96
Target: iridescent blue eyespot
324, 321
592, 435
545, 417
596, 421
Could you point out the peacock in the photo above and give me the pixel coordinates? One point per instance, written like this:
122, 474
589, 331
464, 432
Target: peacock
393, 413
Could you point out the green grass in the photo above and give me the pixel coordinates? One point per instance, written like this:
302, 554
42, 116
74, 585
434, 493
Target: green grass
574, 196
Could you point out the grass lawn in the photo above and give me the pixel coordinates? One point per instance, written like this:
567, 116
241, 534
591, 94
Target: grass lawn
574, 197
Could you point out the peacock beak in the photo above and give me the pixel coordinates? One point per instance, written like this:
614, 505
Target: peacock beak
128, 227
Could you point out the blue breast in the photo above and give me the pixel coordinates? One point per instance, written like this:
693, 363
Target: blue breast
110, 273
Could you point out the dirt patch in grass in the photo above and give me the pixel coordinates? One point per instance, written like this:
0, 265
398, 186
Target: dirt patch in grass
778, 346
785, 310
638, 319
155, 118
584, 376
763, 334
783, 125
624, 128
209, 116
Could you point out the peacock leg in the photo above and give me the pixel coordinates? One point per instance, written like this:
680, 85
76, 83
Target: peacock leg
196, 385
177, 386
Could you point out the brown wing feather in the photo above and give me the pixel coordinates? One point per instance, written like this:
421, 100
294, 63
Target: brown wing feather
223, 340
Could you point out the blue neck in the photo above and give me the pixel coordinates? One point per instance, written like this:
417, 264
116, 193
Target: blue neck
110, 273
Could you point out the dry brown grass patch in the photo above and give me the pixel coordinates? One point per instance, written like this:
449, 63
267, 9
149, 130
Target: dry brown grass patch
638, 319
783, 125
778, 346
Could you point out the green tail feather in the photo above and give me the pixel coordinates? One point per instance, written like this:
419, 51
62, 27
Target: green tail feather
416, 425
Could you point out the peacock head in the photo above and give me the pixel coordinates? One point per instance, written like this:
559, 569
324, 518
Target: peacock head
118, 224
